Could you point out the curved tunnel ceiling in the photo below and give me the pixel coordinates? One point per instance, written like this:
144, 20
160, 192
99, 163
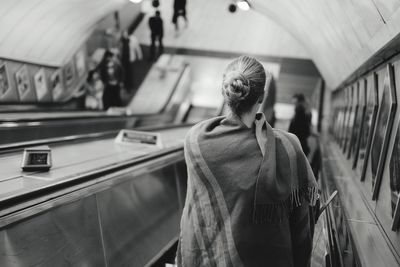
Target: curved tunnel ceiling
339, 35
48, 31
212, 27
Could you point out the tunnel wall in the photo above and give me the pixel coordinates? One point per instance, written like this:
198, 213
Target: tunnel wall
61, 83
365, 124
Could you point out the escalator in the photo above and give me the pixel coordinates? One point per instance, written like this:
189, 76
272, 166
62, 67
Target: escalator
157, 103
113, 205
102, 203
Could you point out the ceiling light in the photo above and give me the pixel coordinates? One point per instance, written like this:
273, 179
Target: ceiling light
136, 1
243, 5
232, 8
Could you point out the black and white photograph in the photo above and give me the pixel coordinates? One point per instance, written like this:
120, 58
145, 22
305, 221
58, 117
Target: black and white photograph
385, 116
348, 115
69, 74
369, 125
80, 63
395, 174
354, 125
40, 84
274, 128
23, 81
56, 85
359, 121
4, 83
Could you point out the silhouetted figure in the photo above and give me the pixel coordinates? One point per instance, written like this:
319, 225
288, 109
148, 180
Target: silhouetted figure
125, 58
300, 124
112, 76
157, 32
179, 10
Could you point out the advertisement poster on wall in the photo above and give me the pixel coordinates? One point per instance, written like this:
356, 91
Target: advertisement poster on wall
23, 82
4, 84
40, 84
80, 63
56, 85
395, 173
69, 74
385, 116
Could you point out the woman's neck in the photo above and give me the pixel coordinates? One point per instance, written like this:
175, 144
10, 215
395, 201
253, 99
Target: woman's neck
249, 117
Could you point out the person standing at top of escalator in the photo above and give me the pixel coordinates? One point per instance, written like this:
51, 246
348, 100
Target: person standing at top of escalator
112, 76
157, 33
179, 10
300, 124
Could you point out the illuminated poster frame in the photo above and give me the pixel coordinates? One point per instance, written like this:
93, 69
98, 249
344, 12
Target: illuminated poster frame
345, 114
57, 87
23, 81
40, 82
338, 115
353, 126
69, 74
372, 109
394, 179
350, 115
5, 82
360, 119
80, 62
387, 109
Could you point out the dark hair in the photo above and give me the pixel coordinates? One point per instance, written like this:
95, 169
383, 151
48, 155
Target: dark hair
299, 97
90, 75
243, 84
158, 13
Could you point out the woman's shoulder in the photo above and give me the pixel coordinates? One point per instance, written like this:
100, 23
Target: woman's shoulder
285, 137
279, 133
204, 126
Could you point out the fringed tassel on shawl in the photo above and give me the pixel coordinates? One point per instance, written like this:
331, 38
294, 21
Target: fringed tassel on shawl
277, 212
313, 195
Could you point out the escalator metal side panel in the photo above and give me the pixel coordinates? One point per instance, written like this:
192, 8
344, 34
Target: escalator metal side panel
139, 217
124, 224
65, 236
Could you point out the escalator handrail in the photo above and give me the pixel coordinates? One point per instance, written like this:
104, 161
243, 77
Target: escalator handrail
100, 115
178, 81
82, 137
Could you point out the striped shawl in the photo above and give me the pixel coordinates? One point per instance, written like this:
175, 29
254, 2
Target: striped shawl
248, 195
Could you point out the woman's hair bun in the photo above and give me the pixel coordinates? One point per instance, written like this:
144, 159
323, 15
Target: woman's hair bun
243, 84
236, 86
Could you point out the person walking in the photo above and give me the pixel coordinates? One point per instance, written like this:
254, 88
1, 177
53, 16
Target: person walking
179, 10
300, 123
250, 187
157, 32
112, 75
